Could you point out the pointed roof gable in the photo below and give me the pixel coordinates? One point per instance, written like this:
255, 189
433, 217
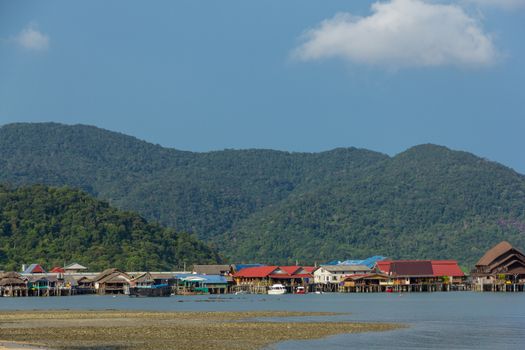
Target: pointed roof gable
34, 268
291, 270
310, 269
384, 266
144, 278
75, 266
111, 274
57, 269
493, 253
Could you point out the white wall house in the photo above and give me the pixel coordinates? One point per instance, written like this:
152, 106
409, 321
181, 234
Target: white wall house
337, 273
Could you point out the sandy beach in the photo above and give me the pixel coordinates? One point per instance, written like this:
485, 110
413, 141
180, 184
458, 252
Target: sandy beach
164, 330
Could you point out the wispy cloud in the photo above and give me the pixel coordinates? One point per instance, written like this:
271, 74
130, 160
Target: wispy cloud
31, 38
401, 33
503, 4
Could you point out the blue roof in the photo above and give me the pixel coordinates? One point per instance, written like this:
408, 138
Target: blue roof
369, 262
212, 279
239, 267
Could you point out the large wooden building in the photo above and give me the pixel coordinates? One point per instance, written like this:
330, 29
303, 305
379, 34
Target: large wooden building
112, 281
12, 284
502, 268
258, 279
422, 275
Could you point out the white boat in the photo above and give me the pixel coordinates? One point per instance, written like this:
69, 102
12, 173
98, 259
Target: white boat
276, 289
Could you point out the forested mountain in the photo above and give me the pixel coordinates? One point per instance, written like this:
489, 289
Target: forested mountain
53, 226
428, 202
205, 193
272, 206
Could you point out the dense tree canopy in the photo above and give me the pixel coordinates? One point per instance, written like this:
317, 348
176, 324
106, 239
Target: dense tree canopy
54, 226
276, 207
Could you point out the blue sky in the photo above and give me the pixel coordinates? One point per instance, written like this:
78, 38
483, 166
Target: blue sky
289, 75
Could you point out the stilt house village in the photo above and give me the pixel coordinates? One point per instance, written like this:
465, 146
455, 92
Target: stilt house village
501, 269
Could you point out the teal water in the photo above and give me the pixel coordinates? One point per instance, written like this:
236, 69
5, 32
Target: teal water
456, 320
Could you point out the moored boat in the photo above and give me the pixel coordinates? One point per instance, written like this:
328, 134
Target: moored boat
276, 289
158, 290
300, 290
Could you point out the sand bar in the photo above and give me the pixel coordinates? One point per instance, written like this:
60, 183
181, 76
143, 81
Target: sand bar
165, 330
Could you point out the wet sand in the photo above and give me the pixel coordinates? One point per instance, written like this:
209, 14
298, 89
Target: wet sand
164, 330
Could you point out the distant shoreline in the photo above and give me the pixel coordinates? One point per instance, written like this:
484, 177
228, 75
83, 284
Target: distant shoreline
165, 330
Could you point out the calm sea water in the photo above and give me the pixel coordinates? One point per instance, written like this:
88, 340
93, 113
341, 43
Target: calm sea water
461, 320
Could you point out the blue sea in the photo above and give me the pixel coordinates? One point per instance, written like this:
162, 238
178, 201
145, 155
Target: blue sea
455, 320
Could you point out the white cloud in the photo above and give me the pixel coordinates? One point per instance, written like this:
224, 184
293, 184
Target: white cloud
504, 4
401, 33
32, 39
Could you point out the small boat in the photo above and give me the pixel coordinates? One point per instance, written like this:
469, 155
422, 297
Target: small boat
300, 290
158, 290
276, 289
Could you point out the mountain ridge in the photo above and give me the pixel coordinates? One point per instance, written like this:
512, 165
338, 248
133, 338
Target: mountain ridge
339, 203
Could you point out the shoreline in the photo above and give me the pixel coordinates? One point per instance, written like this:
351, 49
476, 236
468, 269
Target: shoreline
167, 330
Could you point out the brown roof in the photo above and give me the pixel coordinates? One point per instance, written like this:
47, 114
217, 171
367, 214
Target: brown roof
144, 278
412, 268
10, 274
494, 253
104, 274
116, 277
109, 274
11, 281
211, 269
11, 278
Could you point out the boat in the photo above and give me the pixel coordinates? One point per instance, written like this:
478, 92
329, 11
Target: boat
156, 290
277, 289
300, 290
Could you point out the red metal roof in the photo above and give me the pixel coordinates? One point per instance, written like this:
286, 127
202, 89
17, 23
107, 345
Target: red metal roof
384, 266
256, 272
57, 269
35, 268
287, 276
290, 269
446, 268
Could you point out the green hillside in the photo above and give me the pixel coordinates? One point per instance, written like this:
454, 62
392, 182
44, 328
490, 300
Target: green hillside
205, 193
428, 202
53, 226
272, 206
